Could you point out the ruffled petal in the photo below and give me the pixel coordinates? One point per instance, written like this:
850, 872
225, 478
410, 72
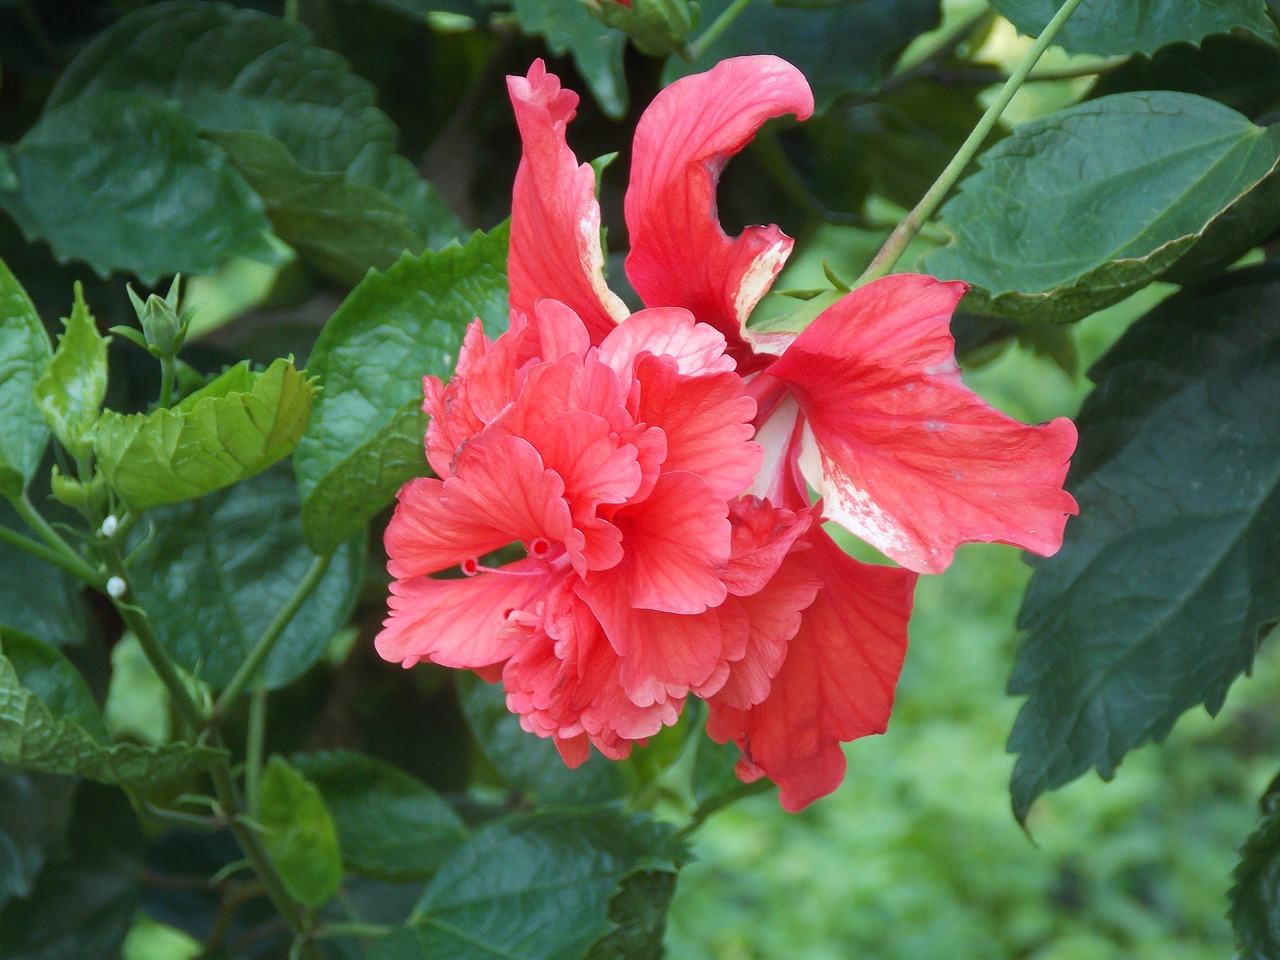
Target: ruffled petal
837, 682
555, 220
902, 452
680, 256
762, 537
697, 348
459, 623
707, 423
501, 493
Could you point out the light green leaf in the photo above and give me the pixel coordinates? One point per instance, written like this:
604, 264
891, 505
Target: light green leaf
364, 440
214, 572
389, 823
48, 722
341, 227
537, 887
237, 426
123, 182
72, 388
228, 69
1078, 210
300, 835
1107, 27
24, 350
596, 48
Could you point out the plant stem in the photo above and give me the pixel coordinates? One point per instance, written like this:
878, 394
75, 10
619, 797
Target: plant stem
254, 741
719, 26
166, 380
910, 225
249, 668
58, 551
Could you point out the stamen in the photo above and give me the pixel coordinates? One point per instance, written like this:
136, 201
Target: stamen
538, 547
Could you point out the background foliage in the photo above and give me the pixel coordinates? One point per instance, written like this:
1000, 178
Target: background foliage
201, 755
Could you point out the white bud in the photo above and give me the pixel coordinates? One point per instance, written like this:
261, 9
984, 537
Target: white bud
116, 587
109, 526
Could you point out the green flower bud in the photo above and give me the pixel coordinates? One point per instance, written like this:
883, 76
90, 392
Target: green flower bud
163, 328
656, 27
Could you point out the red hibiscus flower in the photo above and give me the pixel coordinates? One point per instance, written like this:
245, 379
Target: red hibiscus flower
667, 552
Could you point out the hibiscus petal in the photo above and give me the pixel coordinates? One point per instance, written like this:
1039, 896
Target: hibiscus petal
555, 220
501, 493
902, 452
680, 256
459, 623
670, 332
762, 537
837, 681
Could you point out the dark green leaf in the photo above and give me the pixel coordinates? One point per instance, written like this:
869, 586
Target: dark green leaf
48, 722
1239, 71
844, 48
1077, 210
36, 597
24, 350
1105, 27
1171, 573
537, 887
528, 763
364, 440
83, 906
1255, 897
228, 70
215, 571
124, 183
389, 823
639, 914
341, 227
22, 835
71, 389
237, 426
596, 48
299, 835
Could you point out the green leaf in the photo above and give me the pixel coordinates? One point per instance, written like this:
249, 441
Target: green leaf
48, 722
300, 835
240, 70
35, 596
83, 905
71, 389
537, 887
22, 835
1105, 27
24, 350
214, 572
639, 914
341, 227
844, 48
1171, 573
596, 48
124, 183
389, 823
364, 440
1078, 210
528, 763
235, 427
1255, 898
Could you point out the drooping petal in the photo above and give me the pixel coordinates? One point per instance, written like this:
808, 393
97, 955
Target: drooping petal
902, 452
555, 220
459, 623
697, 348
707, 423
501, 493
836, 684
680, 256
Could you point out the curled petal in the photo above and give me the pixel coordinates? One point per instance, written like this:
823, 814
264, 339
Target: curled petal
697, 348
836, 684
555, 220
501, 493
680, 256
902, 452
459, 623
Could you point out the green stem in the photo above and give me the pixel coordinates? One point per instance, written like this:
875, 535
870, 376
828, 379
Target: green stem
362, 930
73, 564
254, 742
59, 551
249, 668
910, 225
712, 33
166, 380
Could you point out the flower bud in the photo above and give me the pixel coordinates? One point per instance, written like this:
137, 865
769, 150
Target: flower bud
656, 27
116, 588
162, 326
